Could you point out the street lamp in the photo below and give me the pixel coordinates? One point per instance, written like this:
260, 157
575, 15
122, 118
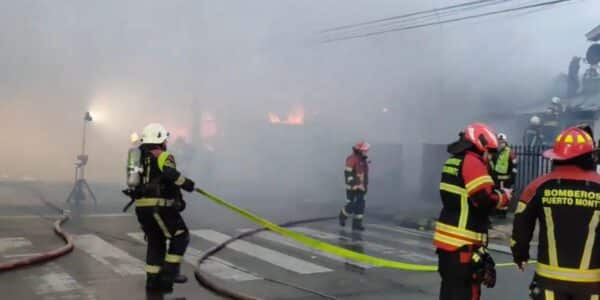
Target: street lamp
78, 191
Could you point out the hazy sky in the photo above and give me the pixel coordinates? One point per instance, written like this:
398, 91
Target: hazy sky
135, 62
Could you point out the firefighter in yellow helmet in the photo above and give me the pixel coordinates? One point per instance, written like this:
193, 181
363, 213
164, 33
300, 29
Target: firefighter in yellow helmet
158, 204
566, 204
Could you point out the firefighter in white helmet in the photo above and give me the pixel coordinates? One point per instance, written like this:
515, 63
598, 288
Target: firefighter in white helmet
356, 174
551, 121
158, 204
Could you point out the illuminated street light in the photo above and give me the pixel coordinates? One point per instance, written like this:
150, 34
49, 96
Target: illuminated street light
81, 184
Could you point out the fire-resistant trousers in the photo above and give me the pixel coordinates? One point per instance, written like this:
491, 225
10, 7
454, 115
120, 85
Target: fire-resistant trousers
356, 204
457, 275
161, 223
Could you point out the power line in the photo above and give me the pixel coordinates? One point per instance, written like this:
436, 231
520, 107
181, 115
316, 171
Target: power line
548, 3
533, 11
417, 13
418, 19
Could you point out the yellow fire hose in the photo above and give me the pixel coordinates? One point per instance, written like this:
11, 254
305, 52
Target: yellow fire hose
322, 246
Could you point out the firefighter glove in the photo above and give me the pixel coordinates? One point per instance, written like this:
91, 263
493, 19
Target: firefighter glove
188, 185
534, 291
504, 196
521, 264
180, 205
484, 268
508, 192
359, 187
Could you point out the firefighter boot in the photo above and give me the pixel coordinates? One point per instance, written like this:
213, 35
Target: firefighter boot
167, 277
342, 218
154, 284
357, 225
179, 278
501, 213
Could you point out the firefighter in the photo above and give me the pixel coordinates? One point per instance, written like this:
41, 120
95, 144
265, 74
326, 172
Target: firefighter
556, 107
469, 197
533, 136
552, 118
566, 203
158, 205
356, 176
504, 169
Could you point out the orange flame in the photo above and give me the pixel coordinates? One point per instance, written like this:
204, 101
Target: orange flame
296, 117
273, 118
209, 126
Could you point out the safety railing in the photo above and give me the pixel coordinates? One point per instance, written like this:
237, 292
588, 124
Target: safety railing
531, 165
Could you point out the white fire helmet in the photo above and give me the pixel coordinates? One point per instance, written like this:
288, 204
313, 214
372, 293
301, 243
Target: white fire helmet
154, 133
502, 137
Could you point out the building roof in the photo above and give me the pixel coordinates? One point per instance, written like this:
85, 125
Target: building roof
594, 35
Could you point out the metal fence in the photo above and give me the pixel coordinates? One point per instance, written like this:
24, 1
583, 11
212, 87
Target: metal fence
531, 165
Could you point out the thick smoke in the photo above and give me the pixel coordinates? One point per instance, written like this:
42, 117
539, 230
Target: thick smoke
136, 62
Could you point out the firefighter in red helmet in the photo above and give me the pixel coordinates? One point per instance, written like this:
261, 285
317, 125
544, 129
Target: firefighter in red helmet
356, 175
566, 204
468, 197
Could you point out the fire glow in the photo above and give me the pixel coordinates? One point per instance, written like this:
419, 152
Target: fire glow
295, 117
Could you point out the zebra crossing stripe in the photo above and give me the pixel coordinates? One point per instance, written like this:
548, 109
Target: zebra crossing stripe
369, 246
54, 281
427, 235
279, 259
314, 243
107, 254
419, 242
276, 238
214, 266
403, 230
11, 243
20, 255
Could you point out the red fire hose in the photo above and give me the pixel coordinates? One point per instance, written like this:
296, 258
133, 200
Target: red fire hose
46, 256
28, 261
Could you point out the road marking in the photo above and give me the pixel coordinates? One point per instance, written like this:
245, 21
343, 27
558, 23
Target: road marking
111, 215
56, 283
404, 230
369, 246
427, 246
11, 243
53, 280
213, 266
277, 238
21, 255
109, 255
108, 215
428, 235
271, 256
28, 217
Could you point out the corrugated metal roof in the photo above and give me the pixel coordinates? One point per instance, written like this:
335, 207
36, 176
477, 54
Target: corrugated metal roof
577, 103
594, 35
586, 103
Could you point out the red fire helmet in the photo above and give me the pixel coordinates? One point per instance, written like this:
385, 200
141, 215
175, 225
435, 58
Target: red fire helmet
570, 143
362, 146
482, 136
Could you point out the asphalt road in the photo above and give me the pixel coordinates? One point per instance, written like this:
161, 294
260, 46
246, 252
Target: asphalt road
108, 260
